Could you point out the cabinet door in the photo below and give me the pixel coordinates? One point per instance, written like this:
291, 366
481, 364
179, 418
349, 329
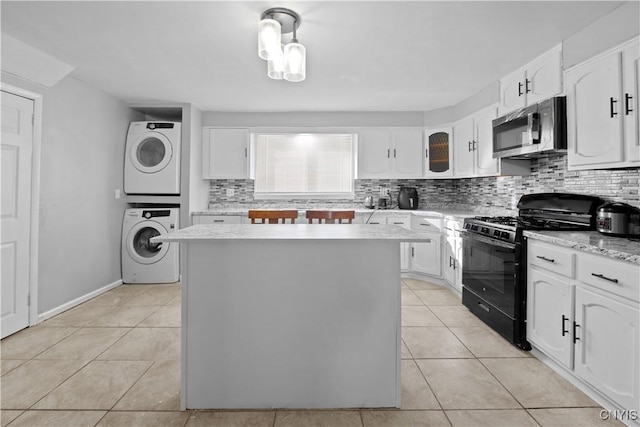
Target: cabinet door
549, 315
438, 153
457, 262
463, 148
225, 154
483, 143
374, 153
594, 113
512, 94
448, 266
403, 221
630, 104
406, 153
543, 77
426, 257
608, 348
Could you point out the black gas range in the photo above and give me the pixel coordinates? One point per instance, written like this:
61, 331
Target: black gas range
494, 257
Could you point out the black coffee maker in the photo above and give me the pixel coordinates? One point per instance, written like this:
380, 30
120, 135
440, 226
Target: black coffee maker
408, 198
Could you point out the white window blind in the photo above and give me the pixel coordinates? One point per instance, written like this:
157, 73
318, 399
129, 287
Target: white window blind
304, 165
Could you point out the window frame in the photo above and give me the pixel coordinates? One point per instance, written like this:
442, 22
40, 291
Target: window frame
255, 132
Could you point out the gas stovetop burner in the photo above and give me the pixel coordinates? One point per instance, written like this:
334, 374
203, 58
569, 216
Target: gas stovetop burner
502, 228
502, 220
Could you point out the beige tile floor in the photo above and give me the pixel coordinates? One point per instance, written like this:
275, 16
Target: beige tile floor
115, 361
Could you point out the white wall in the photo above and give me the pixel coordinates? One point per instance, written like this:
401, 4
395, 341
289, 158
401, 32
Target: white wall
198, 197
614, 28
323, 119
82, 160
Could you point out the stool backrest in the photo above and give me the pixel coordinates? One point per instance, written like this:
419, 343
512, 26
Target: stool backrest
272, 216
330, 217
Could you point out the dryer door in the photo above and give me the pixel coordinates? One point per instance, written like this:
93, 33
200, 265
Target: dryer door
139, 246
151, 152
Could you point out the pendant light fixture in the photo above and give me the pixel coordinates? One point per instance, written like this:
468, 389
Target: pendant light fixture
288, 62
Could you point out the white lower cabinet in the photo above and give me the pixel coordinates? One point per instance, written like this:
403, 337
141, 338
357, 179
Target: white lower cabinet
405, 222
452, 261
607, 347
426, 257
583, 311
549, 314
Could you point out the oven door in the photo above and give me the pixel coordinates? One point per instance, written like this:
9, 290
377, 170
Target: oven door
489, 270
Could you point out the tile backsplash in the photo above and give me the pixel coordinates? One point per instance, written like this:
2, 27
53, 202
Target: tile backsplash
491, 194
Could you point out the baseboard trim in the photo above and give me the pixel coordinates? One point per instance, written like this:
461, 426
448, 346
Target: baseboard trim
73, 303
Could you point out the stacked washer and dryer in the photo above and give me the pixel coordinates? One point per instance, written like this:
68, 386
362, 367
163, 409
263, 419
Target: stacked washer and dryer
152, 168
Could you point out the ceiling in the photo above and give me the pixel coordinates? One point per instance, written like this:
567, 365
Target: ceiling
361, 56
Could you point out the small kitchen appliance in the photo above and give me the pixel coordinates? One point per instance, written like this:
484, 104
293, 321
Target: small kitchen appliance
618, 219
531, 130
408, 198
495, 261
368, 202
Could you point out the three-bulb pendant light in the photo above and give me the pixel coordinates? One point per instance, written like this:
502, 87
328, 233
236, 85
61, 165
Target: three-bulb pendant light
286, 61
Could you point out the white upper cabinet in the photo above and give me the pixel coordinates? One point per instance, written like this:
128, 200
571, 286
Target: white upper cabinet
602, 110
463, 153
473, 145
536, 81
390, 153
630, 102
483, 140
225, 153
438, 153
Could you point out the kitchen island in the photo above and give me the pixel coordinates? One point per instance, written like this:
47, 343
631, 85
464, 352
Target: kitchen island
291, 315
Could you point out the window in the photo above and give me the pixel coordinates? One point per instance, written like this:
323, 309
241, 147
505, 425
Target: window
306, 165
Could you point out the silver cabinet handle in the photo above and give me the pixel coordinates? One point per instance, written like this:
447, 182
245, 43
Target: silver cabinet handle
218, 220
545, 258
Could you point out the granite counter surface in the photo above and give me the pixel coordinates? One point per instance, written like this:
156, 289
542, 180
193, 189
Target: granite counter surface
209, 232
444, 213
620, 248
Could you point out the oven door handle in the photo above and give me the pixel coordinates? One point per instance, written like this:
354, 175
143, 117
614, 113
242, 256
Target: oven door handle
487, 240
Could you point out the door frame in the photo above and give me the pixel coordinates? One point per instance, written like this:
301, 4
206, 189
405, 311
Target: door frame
34, 228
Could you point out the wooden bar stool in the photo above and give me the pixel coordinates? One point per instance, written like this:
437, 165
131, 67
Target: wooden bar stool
272, 216
330, 217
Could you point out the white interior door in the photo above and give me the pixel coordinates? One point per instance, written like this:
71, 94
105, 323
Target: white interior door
15, 154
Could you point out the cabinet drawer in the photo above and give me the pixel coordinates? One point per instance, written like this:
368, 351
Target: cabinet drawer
610, 275
402, 221
552, 258
426, 223
217, 219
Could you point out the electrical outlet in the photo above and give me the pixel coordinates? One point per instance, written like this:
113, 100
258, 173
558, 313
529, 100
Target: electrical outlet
117, 193
230, 192
384, 192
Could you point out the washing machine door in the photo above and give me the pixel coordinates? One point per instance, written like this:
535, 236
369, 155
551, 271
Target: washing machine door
151, 152
139, 246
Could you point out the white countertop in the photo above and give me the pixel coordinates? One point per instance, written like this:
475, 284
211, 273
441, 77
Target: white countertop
242, 211
620, 248
209, 232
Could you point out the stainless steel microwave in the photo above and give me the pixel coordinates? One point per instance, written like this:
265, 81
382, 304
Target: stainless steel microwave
531, 130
